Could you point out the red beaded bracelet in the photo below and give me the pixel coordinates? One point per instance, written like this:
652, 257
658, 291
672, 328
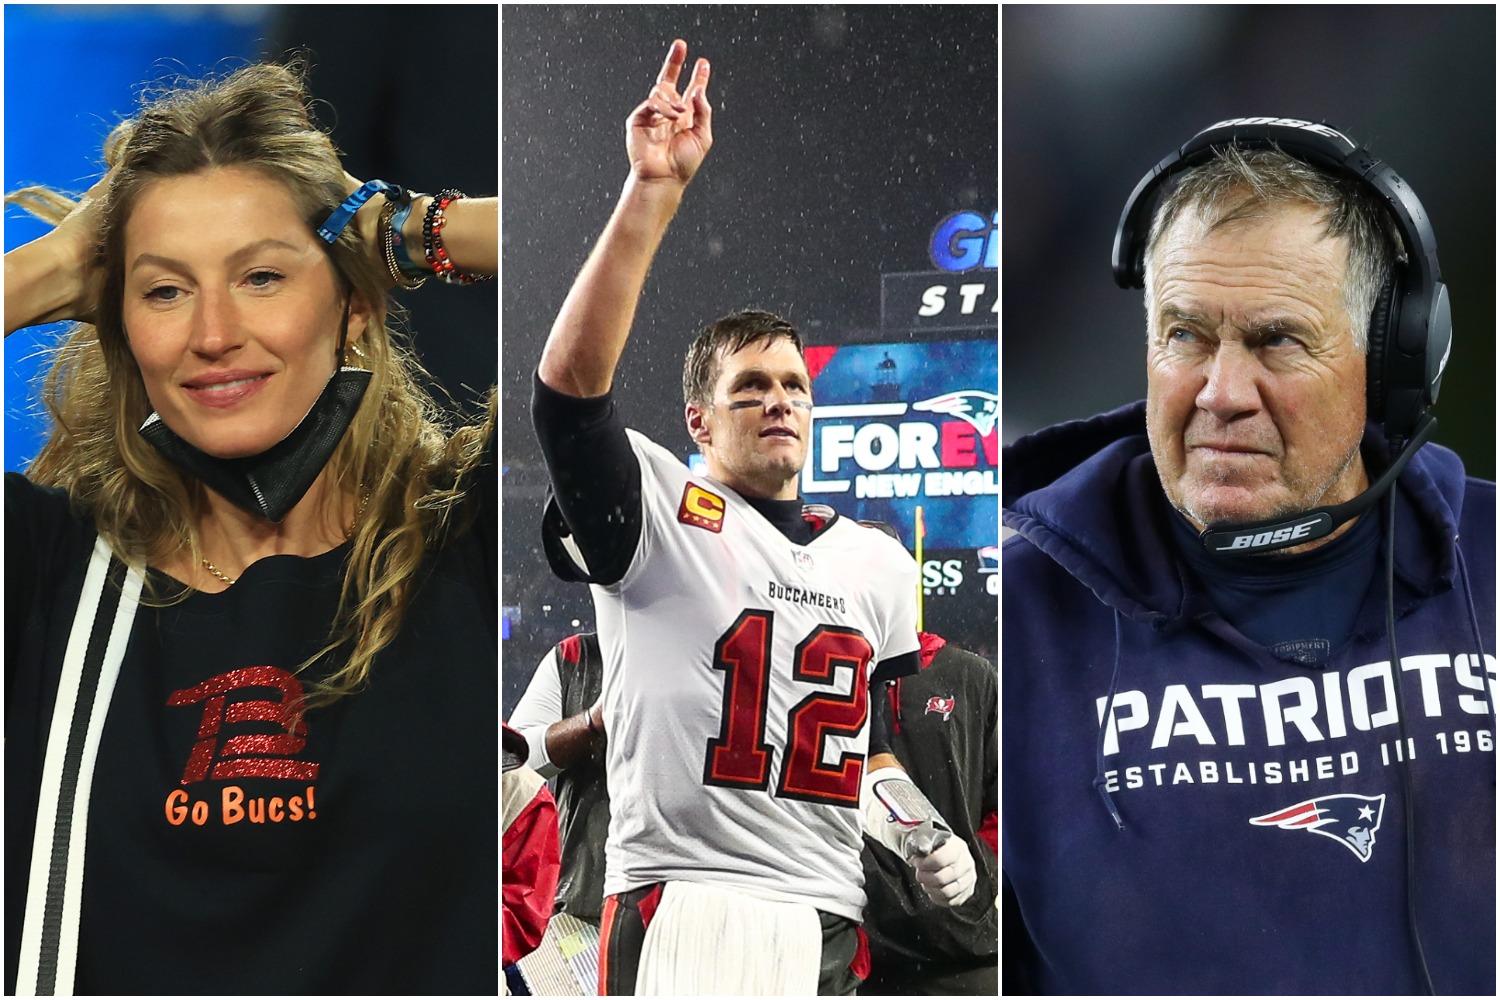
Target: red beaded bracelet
432, 241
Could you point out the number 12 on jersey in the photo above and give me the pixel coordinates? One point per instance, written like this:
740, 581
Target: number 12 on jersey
740, 757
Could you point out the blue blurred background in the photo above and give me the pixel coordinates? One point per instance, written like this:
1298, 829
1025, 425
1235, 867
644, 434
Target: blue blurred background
73, 71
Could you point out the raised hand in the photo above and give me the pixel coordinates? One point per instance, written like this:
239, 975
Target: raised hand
56, 276
667, 136
669, 133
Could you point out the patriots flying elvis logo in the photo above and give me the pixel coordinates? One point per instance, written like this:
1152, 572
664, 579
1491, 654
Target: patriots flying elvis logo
980, 408
1352, 820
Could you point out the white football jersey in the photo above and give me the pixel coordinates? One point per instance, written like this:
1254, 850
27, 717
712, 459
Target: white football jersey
736, 668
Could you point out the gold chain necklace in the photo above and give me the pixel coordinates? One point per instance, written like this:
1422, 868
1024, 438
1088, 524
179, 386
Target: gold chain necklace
359, 514
229, 581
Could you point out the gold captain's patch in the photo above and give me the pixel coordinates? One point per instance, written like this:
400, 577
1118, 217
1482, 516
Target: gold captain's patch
701, 509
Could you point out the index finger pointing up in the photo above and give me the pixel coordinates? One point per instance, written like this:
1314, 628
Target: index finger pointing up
676, 59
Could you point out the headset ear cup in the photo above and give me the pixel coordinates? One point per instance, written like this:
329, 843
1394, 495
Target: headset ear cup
1382, 322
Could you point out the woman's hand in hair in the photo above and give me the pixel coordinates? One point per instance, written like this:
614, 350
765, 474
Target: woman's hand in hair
56, 277
366, 222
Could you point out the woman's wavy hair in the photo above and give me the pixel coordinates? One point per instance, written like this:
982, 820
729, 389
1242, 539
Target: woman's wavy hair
401, 457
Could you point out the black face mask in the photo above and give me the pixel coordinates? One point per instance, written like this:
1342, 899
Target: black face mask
271, 483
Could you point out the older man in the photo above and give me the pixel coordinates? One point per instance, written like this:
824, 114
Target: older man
1215, 782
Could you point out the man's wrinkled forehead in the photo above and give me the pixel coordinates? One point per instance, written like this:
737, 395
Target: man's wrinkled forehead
1242, 207
1200, 225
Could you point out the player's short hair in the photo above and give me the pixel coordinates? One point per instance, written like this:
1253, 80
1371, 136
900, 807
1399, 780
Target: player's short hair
1237, 182
723, 337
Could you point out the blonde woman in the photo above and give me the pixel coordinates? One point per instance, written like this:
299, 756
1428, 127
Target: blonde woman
251, 642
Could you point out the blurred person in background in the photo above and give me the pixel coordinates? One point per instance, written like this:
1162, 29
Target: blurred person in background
529, 846
944, 726
945, 732
560, 717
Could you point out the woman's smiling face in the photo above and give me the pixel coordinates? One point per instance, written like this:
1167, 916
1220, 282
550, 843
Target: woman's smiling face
232, 308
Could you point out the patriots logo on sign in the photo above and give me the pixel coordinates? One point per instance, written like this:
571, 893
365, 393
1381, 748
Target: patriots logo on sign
1352, 820
943, 705
980, 408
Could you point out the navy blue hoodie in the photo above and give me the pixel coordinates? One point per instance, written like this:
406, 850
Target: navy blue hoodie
1240, 825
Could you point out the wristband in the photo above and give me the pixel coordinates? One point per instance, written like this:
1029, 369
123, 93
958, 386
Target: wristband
397, 263
398, 242
335, 224
897, 814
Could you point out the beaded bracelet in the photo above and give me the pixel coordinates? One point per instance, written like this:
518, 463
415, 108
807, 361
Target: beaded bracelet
390, 230
432, 241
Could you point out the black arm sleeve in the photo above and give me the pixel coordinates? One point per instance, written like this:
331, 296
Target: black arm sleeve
897, 667
596, 484
880, 719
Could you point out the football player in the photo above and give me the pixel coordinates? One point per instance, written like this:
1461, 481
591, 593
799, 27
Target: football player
739, 628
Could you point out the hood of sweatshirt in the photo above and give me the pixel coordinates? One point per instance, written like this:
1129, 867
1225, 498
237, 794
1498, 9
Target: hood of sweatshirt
1087, 494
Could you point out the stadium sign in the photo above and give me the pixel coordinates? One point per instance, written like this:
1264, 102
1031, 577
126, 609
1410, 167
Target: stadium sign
899, 426
965, 241
962, 293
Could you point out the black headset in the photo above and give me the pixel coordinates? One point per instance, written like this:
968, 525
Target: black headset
1411, 332
1411, 327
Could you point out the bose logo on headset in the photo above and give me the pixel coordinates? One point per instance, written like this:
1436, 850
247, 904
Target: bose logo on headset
1322, 130
1279, 537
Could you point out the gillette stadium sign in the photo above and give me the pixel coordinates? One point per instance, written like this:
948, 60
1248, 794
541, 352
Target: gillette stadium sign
962, 293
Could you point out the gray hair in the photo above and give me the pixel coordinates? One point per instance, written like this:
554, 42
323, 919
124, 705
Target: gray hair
1237, 180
